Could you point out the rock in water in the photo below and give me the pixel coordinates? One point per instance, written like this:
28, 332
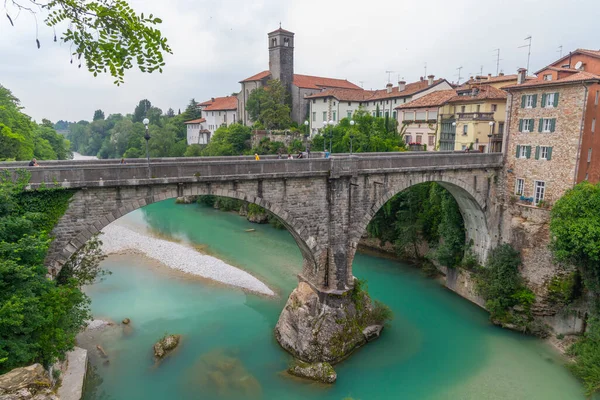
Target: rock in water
30, 382
165, 345
372, 332
323, 330
321, 372
126, 321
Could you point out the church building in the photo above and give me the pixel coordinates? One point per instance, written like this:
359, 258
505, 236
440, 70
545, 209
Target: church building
281, 66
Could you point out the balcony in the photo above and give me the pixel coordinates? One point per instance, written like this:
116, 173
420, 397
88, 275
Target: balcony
476, 116
497, 137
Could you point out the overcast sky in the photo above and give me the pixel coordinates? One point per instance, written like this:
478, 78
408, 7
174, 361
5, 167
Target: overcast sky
218, 43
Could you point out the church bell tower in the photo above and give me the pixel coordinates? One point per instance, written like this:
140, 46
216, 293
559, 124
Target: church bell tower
281, 56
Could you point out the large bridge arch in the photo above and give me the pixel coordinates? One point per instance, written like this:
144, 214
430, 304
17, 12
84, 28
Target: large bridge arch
474, 208
91, 224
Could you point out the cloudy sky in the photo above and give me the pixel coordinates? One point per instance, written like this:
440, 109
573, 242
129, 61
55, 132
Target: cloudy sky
220, 42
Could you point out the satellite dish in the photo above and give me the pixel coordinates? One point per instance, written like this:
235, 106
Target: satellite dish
578, 65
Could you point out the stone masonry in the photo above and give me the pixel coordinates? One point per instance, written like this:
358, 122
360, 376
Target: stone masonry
326, 204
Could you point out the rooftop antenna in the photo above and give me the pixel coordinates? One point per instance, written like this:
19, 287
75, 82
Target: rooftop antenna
459, 68
481, 71
361, 83
560, 51
497, 61
528, 51
389, 75
425, 69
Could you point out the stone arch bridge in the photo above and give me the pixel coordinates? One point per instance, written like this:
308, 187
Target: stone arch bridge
326, 204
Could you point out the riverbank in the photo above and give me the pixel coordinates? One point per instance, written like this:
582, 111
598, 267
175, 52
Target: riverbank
119, 239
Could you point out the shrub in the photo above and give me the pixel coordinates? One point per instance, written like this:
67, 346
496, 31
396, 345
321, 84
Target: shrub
564, 289
586, 352
208, 200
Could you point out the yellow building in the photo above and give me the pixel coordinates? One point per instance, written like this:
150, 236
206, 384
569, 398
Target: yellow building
474, 118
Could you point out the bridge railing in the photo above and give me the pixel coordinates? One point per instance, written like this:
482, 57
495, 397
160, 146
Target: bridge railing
77, 174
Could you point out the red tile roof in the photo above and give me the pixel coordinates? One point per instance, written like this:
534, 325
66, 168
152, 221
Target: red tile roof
433, 99
494, 79
258, 77
318, 82
484, 92
221, 103
195, 121
580, 76
281, 30
374, 95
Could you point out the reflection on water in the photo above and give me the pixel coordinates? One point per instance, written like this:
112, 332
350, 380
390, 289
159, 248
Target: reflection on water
439, 346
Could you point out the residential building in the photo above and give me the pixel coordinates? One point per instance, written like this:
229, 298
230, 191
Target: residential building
474, 118
498, 81
336, 104
553, 140
420, 120
197, 132
219, 111
281, 66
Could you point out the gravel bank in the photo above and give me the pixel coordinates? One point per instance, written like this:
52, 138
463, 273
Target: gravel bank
118, 238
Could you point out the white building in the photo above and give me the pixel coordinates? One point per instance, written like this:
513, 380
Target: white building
197, 132
219, 111
335, 104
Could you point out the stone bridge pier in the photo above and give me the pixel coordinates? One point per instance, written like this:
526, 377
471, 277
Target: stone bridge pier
326, 205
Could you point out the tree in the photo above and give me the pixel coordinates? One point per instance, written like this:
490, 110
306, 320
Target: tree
170, 113
98, 114
140, 110
575, 229
228, 141
192, 111
269, 106
108, 34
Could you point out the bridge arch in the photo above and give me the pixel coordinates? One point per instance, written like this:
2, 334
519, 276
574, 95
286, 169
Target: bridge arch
92, 226
472, 205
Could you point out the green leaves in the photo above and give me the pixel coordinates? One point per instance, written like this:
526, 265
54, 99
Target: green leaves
109, 35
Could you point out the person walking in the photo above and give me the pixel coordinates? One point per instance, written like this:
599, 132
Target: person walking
123, 161
33, 163
290, 157
256, 157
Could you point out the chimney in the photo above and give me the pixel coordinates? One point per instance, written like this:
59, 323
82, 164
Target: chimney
489, 77
388, 87
474, 91
422, 79
430, 80
401, 86
521, 75
501, 74
212, 99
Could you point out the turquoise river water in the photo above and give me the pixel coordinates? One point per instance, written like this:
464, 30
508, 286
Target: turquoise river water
439, 346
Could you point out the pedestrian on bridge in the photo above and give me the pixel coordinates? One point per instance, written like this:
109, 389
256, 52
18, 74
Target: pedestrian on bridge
33, 163
256, 157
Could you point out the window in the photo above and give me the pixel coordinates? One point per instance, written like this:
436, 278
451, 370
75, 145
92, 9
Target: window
421, 115
334, 103
314, 116
349, 113
478, 107
462, 109
548, 77
395, 100
409, 115
546, 125
408, 139
432, 114
539, 188
528, 101
500, 127
525, 125
544, 153
394, 115
549, 100
597, 97
314, 101
520, 187
593, 125
334, 116
349, 103
419, 138
431, 141
387, 114
590, 154
325, 100
374, 114
324, 115
387, 102
465, 129
522, 151
273, 42
494, 107
286, 42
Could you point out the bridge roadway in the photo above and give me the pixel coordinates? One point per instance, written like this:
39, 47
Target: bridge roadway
326, 204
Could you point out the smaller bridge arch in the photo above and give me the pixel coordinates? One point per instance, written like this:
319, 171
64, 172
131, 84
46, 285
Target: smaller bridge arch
473, 207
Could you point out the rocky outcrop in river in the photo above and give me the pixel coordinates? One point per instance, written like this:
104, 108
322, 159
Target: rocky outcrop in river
328, 329
166, 345
321, 372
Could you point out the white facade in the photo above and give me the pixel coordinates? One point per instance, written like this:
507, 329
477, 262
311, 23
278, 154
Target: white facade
197, 132
214, 119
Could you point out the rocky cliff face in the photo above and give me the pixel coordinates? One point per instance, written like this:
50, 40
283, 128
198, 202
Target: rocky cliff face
326, 329
27, 383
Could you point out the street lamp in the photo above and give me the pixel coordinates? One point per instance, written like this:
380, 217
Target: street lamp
331, 123
351, 134
306, 137
324, 136
490, 136
146, 121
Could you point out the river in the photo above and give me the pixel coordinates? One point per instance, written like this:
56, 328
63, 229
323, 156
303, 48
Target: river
439, 346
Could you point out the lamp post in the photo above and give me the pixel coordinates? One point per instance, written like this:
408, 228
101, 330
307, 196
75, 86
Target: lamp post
331, 124
324, 136
490, 136
454, 127
306, 138
146, 121
351, 134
